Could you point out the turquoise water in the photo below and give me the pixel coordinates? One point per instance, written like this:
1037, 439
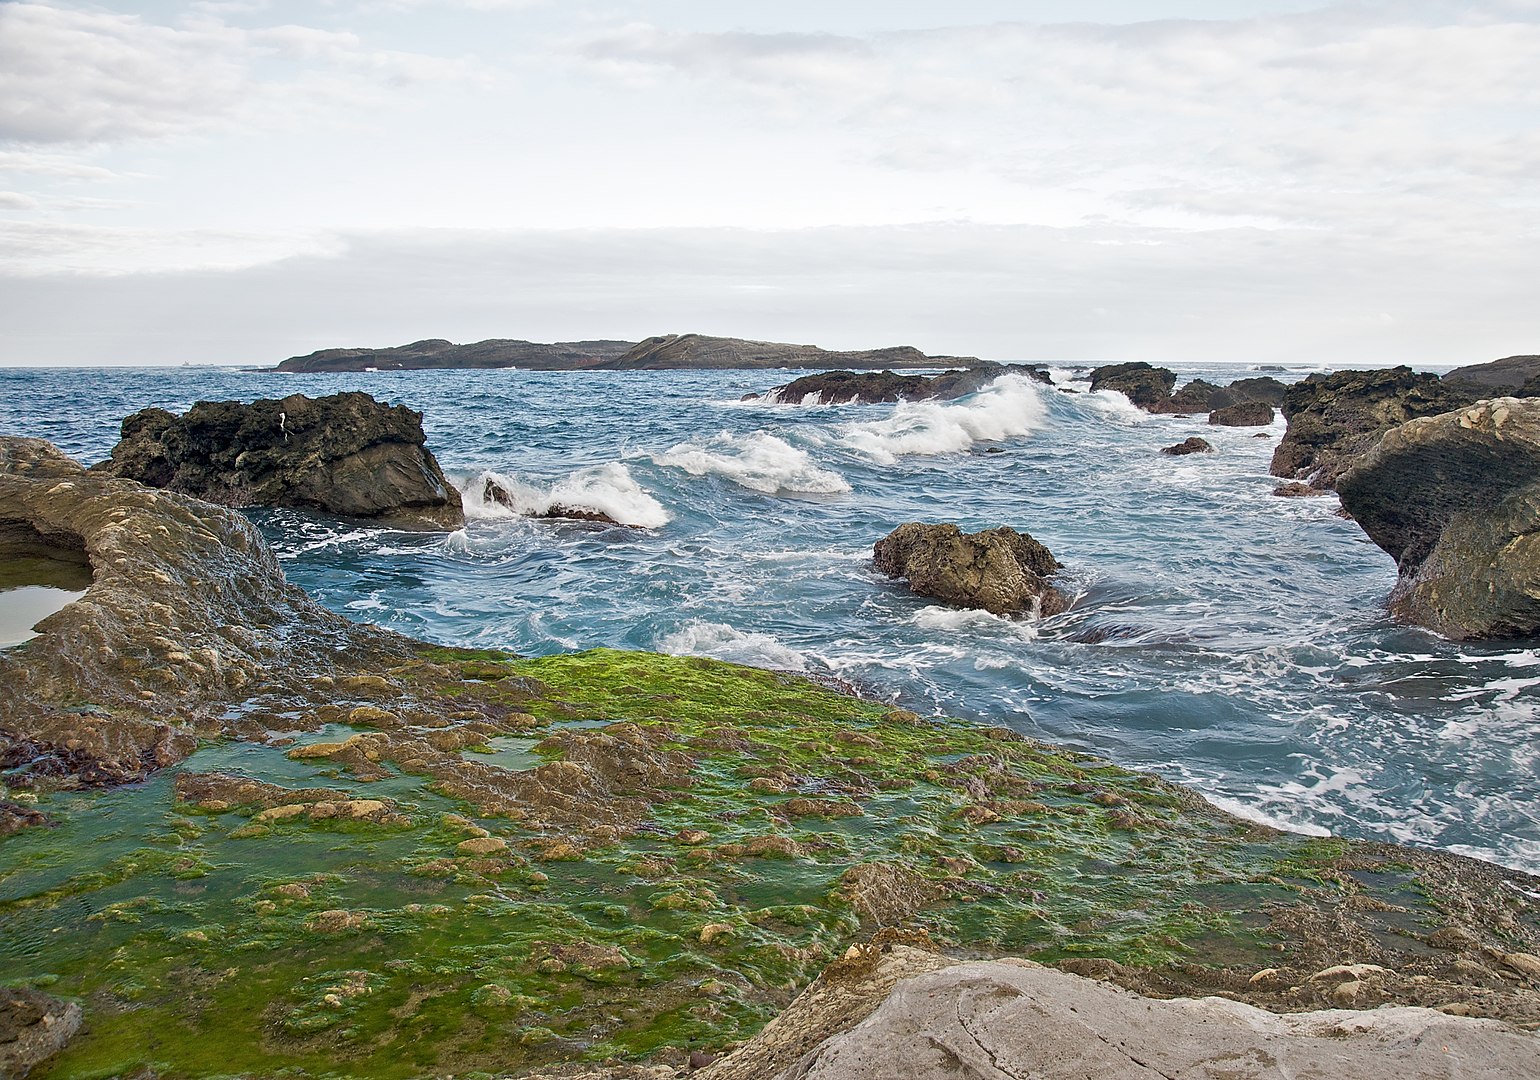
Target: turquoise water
1223, 637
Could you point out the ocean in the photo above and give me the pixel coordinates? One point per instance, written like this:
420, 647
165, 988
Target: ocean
1220, 636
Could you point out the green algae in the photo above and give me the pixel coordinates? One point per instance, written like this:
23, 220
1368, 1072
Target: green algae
203, 943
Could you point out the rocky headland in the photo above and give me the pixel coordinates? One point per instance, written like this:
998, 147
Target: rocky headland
353, 853
669, 351
343, 454
870, 387
438, 354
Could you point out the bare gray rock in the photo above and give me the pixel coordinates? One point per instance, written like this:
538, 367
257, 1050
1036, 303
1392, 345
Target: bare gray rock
33, 1028
1014, 1020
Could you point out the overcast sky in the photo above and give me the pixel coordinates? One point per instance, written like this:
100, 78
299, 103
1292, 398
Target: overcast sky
1167, 180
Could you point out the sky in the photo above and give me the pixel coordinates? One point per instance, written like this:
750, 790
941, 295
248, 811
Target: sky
238, 181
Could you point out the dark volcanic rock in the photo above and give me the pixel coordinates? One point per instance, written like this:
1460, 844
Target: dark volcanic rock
1455, 500
1198, 396
437, 353
1264, 388
1194, 445
1296, 490
33, 1028
493, 492
840, 387
699, 351
1334, 418
1243, 414
344, 454
187, 611
1517, 376
1147, 387
1000, 570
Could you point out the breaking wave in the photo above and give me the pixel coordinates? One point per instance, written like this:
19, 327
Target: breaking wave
722, 642
604, 489
758, 461
1007, 408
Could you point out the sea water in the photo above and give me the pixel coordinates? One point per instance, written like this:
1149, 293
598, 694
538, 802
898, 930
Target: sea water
1223, 637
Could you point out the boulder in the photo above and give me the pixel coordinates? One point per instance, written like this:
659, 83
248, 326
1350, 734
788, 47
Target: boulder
34, 1026
1198, 396
1146, 386
1000, 570
1513, 376
1012, 1018
1334, 418
1260, 388
1455, 500
344, 454
840, 387
1243, 414
1193, 445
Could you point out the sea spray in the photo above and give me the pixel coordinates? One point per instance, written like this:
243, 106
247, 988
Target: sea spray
1009, 407
722, 642
758, 461
607, 489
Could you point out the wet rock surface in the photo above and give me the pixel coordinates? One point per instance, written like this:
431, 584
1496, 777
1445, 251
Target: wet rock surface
1334, 418
1190, 445
1151, 388
33, 1028
343, 454
1146, 386
1243, 414
842, 387
1455, 500
1013, 1018
999, 570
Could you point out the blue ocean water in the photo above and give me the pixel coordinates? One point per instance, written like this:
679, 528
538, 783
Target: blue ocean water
1223, 637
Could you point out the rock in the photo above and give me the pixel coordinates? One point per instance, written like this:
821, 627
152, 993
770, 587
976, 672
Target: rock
712, 931
701, 351
437, 353
37, 459
1526, 964
1014, 1019
493, 492
1193, 445
887, 894
1146, 386
1243, 414
1455, 500
180, 594
33, 1028
344, 454
1197, 396
840, 387
1265, 388
14, 817
1000, 570
482, 845
1335, 418
1296, 490
1500, 378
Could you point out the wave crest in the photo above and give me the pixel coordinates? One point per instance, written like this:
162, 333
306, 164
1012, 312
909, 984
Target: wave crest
608, 489
1009, 407
758, 461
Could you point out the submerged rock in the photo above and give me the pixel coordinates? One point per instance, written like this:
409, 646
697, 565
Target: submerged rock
935, 1018
1334, 418
1455, 500
344, 454
1192, 445
33, 1028
1000, 570
1243, 414
840, 387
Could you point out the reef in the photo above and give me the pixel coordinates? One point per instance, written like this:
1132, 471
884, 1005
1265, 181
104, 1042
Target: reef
343, 454
844, 387
351, 854
1455, 500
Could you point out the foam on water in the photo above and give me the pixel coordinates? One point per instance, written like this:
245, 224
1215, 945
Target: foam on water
605, 489
758, 461
1009, 407
722, 642
1114, 406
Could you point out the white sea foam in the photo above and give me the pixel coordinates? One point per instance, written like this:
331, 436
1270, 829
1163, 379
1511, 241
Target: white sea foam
1010, 406
605, 489
758, 461
722, 642
1114, 405
975, 620
1250, 812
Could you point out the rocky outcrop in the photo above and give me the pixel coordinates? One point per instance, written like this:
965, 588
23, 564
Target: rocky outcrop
33, 1028
1455, 500
1000, 570
1150, 388
1512, 376
1192, 445
182, 616
1334, 418
700, 351
494, 492
842, 387
437, 353
1243, 414
1013, 1019
344, 454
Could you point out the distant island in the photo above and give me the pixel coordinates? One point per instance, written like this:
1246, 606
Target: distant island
667, 351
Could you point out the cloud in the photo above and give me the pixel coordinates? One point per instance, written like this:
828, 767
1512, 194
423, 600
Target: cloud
86, 76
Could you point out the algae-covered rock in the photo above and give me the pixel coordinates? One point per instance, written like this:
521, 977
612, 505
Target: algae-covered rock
1334, 418
1455, 500
344, 454
1000, 570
